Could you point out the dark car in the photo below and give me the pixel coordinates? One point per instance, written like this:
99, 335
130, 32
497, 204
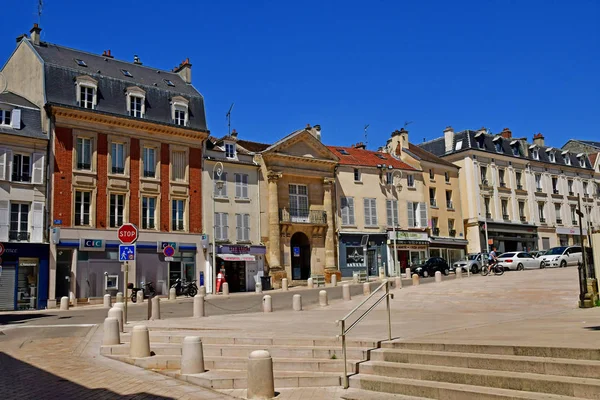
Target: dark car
432, 265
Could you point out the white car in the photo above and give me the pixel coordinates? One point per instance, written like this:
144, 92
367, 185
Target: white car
517, 260
561, 257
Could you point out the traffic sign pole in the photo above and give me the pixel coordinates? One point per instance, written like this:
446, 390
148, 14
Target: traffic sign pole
126, 291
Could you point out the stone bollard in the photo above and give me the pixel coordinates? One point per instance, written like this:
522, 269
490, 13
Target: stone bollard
155, 308
140, 342
334, 280
381, 273
119, 297
120, 306
408, 273
111, 332
117, 313
192, 355
355, 278
225, 289
267, 304
415, 279
64, 303
366, 288
284, 284
261, 384
258, 287
107, 301
398, 282
458, 273
438, 276
309, 283
323, 298
297, 302
140, 296
346, 292
199, 306
172, 294
202, 291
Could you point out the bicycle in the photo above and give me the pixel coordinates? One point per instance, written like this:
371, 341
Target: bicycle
497, 269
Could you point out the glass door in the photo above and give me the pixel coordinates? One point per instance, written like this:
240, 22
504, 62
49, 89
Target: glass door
174, 272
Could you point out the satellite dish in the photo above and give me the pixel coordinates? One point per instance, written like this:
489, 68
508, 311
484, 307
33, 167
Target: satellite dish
3, 83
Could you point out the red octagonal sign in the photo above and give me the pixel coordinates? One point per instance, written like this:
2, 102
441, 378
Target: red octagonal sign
127, 233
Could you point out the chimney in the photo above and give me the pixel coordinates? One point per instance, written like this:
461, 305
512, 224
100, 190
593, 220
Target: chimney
449, 138
506, 133
184, 70
106, 53
538, 139
234, 134
393, 142
35, 34
136, 60
360, 146
316, 131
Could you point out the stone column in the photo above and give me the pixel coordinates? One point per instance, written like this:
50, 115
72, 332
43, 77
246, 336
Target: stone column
330, 265
276, 270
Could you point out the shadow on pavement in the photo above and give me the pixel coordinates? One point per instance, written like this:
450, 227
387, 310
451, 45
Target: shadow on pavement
17, 318
19, 380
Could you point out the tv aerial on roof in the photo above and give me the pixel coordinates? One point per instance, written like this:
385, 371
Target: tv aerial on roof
228, 116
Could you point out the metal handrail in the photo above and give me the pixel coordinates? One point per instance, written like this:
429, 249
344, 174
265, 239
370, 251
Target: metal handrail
342, 322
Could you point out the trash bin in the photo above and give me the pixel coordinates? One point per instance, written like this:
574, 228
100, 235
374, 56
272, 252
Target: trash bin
265, 281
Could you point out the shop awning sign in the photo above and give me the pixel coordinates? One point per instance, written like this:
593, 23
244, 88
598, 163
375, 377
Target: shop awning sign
237, 257
91, 244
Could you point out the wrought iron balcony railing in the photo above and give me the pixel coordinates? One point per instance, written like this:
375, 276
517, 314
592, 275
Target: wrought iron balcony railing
302, 216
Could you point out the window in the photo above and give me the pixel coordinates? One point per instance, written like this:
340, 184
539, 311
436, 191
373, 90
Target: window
177, 215
21, 168
568, 159
449, 204
118, 158
498, 146
557, 211
389, 178
551, 157
481, 142
117, 206
180, 117
229, 150
432, 201
4, 117
501, 173
538, 182
410, 181
220, 185
347, 208
435, 229
356, 175
447, 176
169, 82
541, 212
127, 73
535, 153
243, 227
84, 153
241, 186
451, 229
574, 214
343, 152
458, 145
582, 162
585, 189
417, 215
299, 203
82, 208
221, 226
81, 63
87, 95
555, 185
135, 106
149, 160
486, 203
515, 150
504, 204
518, 175
431, 174
522, 210
178, 166
570, 186
148, 212
19, 217
392, 212
483, 170
370, 212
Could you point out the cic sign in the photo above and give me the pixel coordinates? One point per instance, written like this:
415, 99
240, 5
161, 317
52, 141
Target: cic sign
91, 244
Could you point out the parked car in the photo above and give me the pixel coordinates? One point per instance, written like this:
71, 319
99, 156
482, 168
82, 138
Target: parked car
538, 253
563, 256
517, 260
431, 266
472, 262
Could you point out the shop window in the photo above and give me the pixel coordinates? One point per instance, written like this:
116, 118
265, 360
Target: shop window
27, 283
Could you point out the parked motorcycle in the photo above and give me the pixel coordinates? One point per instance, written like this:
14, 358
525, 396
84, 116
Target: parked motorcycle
148, 289
185, 288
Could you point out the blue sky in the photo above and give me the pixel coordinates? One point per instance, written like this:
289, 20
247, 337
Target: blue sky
528, 65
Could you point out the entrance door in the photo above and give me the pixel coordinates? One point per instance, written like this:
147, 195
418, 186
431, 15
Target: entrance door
372, 263
403, 260
251, 271
7, 287
63, 273
174, 272
300, 256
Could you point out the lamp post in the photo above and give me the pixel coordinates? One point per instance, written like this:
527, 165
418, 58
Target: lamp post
390, 182
217, 171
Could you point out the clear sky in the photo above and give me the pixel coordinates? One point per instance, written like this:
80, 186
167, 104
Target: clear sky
530, 65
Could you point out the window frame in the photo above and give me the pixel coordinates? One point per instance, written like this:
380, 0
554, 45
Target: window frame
410, 180
221, 228
20, 221
357, 175
244, 228
241, 185
4, 116
115, 169
370, 220
80, 154
179, 104
186, 162
230, 150
392, 205
349, 218
19, 174
123, 217
133, 94
82, 208
175, 202
145, 216
85, 81
155, 168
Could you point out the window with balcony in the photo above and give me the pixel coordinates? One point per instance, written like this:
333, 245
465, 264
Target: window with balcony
149, 161
392, 212
178, 165
242, 227
541, 212
241, 186
518, 178
82, 208
370, 208
483, 171
555, 185
451, 228
178, 215
504, 206
522, 215
558, 211
21, 168
574, 214
570, 186
84, 153
432, 200
148, 212
118, 158
299, 209
117, 207
501, 176
449, 203
220, 185
538, 182
19, 222
410, 180
486, 204
221, 226
347, 209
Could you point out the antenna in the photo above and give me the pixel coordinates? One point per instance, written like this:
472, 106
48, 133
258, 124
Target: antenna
406, 123
228, 116
40, 9
366, 141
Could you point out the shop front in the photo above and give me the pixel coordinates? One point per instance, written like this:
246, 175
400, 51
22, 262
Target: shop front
412, 248
243, 265
509, 237
23, 276
449, 249
360, 252
570, 236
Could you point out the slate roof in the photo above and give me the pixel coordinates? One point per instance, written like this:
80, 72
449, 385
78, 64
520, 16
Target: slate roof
31, 117
424, 155
591, 143
61, 69
254, 147
367, 158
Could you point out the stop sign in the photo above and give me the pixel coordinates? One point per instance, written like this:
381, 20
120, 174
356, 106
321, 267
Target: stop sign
127, 233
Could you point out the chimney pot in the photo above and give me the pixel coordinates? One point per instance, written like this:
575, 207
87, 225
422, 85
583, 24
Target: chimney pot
538, 139
136, 60
35, 34
506, 133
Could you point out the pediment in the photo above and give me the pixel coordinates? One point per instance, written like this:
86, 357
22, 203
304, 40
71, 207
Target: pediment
302, 144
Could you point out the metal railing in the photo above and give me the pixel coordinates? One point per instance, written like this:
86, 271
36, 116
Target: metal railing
302, 216
342, 322
18, 235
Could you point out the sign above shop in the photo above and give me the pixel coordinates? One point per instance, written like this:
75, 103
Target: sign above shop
355, 256
91, 244
160, 246
410, 236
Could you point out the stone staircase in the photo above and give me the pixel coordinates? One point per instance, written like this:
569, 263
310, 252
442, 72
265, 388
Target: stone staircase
406, 370
297, 362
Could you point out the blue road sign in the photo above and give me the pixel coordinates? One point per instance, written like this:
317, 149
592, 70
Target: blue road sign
126, 252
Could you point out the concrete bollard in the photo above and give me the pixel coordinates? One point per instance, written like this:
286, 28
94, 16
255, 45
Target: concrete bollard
323, 298
107, 301
297, 302
172, 294
398, 282
415, 279
119, 297
111, 332
267, 304
334, 280
155, 308
355, 278
64, 303
225, 289
438, 276
140, 296
366, 288
261, 384
140, 342
381, 273
120, 305
458, 273
199, 306
202, 291
284, 284
192, 355
346, 292
117, 313
309, 283
408, 273
258, 287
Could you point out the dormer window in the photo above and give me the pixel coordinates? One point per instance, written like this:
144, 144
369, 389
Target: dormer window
81, 63
567, 159
179, 110
582, 162
480, 142
87, 88
5, 117
515, 148
127, 73
136, 102
551, 157
535, 153
498, 144
230, 150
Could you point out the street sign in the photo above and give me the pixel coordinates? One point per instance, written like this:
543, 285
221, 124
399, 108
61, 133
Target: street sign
160, 246
127, 233
126, 252
1, 249
169, 251
169, 259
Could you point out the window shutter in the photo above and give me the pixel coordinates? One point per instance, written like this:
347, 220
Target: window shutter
225, 228
245, 186
238, 186
239, 226
411, 214
246, 227
38, 168
388, 207
15, 119
367, 212
224, 179
3, 159
373, 212
217, 223
4, 220
37, 225
344, 210
423, 209
350, 201
9, 165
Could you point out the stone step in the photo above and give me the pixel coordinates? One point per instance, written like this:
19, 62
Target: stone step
443, 390
549, 384
536, 365
532, 351
359, 394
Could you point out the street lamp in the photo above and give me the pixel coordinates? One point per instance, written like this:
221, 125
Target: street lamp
217, 171
390, 182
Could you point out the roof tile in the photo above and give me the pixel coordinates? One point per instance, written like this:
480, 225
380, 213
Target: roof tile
367, 158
